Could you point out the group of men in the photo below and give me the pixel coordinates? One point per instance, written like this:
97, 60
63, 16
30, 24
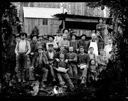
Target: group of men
60, 59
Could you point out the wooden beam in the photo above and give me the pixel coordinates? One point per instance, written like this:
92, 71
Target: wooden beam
82, 20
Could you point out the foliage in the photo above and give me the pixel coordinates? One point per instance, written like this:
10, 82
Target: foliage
8, 19
118, 13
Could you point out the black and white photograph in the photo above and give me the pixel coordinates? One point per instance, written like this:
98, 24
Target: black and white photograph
64, 50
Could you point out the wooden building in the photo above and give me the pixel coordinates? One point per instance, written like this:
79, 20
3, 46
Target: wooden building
42, 18
86, 24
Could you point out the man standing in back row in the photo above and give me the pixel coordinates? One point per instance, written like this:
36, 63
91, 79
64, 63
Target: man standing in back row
22, 50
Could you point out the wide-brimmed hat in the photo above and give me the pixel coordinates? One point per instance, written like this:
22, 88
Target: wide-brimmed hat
40, 35
50, 45
23, 33
83, 35
34, 35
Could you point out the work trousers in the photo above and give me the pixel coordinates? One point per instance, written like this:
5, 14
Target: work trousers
73, 72
21, 65
65, 76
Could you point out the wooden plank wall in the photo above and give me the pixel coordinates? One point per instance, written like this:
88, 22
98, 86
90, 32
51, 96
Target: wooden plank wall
50, 29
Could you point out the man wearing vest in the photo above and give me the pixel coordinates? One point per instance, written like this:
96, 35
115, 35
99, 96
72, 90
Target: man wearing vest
22, 50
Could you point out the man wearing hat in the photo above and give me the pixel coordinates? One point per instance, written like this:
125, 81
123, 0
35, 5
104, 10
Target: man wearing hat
41, 41
83, 62
51, 54
51, 41
22, 50
41, 65
34, 46
83, 42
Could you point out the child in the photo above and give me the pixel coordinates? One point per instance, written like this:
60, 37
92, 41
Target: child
92, 70
62, 69
102, 60
83, 61
72, 59
91, 53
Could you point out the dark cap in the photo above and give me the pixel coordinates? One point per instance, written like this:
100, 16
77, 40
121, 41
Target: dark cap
83, 35
50, 45
23, 33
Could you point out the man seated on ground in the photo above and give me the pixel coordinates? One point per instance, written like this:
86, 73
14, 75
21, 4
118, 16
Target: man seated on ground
72, 60
61, 69
51, 54
41, 67
83, 61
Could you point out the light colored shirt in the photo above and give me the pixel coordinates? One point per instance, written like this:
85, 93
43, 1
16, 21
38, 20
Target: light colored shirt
64, 43
51, 54
54, 45
107, 49
58, 39
21, 47
95, 46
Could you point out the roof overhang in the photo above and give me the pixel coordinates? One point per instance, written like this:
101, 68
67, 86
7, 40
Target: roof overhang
39, 12
79, 21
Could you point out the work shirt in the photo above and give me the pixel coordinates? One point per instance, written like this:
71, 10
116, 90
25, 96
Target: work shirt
23, 46
64, 43
95, 46
83, 58
85, 44
74, 44
72, 56
58, 39
108, 49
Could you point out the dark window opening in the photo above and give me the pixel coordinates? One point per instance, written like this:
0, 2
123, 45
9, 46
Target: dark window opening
45, 21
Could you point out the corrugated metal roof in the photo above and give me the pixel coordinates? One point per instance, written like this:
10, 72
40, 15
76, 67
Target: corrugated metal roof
36, 12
